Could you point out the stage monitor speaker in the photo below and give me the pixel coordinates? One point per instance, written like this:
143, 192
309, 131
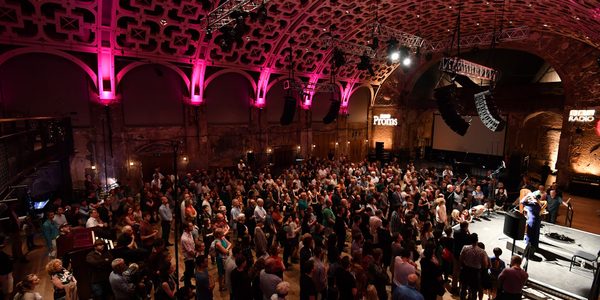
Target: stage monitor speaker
514, 225
289, 110
334, 110
444, 97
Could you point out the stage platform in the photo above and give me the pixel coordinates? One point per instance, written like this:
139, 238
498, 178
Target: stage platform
552, 271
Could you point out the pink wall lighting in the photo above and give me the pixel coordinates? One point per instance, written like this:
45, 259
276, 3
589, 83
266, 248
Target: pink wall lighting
346, 93
106, 76
309, 91
261, 92
197, 84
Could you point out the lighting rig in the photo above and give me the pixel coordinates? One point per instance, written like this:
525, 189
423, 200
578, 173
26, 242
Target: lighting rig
481, 39
229, 19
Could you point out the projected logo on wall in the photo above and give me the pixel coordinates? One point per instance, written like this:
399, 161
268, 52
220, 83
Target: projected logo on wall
582, 115
385, 120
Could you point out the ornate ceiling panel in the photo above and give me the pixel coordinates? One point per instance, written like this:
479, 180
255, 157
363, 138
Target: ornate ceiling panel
174, 30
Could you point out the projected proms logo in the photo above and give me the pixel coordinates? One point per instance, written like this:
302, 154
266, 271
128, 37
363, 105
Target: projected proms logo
385, 120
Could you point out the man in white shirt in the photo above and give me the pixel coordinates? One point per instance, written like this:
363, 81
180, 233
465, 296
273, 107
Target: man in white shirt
260, 214
188, 247
94, 220
59, 217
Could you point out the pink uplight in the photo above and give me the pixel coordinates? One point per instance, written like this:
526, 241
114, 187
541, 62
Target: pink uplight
106, 76
263, 84
197, 84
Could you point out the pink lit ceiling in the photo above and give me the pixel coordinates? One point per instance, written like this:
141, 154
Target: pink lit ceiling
173, 30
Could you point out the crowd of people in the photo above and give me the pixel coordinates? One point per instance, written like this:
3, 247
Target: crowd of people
336, 229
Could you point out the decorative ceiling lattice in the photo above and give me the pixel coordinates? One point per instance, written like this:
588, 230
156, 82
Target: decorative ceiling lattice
175, 30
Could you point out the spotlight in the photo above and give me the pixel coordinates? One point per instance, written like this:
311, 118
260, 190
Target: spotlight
406, 61
338, 58
392, 51
365, 64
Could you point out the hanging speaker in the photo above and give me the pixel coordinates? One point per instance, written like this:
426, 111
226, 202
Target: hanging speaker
444, 97
488, 113
289, 110
333, 112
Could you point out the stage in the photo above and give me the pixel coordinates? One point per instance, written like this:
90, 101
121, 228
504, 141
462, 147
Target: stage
552, 271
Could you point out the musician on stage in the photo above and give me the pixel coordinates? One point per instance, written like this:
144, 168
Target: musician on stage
530, 203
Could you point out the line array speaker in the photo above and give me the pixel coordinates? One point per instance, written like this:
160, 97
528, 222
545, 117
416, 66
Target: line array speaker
289, 110
334, 110
444, 97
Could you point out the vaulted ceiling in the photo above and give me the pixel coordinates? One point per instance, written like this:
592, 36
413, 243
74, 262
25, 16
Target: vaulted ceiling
174, 30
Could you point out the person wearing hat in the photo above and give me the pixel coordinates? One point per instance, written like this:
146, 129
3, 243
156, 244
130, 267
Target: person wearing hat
99, 261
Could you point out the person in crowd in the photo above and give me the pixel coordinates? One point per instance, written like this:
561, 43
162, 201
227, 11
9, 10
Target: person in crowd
269, 279
147, 232
166, 218
308, 290
230, 265
497, 265
240, 280
99, 261
120, 281
221, 251
472, 259
65, 285
166, 288
553, 204
409, 290
432, 283
204, 284
188, 248
50, 233
345, 281
59, 217
25, 289
94, 220
281, 291
511, 280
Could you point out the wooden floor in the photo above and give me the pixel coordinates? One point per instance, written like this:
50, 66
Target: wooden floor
586, 218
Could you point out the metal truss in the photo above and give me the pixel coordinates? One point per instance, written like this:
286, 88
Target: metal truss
349, 47
482, 39
221, 16
464, 67
404, 39
310, 87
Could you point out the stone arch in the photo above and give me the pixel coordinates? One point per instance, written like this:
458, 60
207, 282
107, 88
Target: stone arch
20, 51
212, 77
539, 138
134, 65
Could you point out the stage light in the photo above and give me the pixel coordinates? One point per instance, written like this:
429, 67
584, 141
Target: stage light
392, 51
338, 58
406, 61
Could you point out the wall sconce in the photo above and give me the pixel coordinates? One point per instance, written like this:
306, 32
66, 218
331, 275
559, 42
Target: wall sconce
314, 146
185, 158
93, 167
367, 140
131, 163
269, 150
348, 142
299, 148
336, 143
